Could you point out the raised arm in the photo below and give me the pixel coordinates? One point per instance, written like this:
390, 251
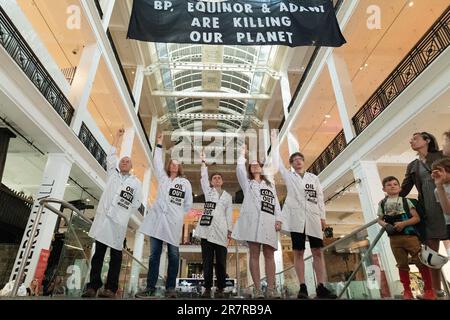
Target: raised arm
241, 172
278, 214
204, 180
158, 161
188, 200
137, 200
229, 216
111, 159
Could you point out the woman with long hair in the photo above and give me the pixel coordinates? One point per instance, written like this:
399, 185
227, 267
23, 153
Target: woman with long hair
164, 221
259, 221
418, 174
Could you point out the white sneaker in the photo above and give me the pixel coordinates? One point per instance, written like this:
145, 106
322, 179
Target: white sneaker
258, 294
273, 294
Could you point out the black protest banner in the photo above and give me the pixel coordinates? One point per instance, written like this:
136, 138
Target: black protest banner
237, 22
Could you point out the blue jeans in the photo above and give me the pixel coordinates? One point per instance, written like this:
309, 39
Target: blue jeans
154, 260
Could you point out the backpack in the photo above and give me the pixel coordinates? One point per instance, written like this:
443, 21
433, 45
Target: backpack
419, 227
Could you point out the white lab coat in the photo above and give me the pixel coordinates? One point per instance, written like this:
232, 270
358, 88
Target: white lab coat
164, 220
304, 207
259, 211
120, 199
217, 217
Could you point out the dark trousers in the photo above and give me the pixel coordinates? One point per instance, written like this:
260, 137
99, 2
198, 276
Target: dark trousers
115, 263
208, 251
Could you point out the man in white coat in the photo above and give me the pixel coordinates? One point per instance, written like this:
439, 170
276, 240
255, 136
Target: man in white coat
164, 221
214, 229
304, 216
120, 199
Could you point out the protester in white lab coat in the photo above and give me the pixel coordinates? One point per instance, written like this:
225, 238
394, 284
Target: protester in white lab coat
164, 221
214, 229
120, 199
259, 221
304, 216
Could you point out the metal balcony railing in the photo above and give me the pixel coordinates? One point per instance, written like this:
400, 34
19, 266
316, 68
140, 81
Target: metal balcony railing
329, 154
422, 55
89, 141
16, 46
429, 47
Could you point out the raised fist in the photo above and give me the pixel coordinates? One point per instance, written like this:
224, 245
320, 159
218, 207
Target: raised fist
159, 139
244, 149
202, 155
273, 135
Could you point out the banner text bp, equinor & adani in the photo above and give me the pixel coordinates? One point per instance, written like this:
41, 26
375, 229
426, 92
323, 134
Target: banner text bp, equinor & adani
237, 22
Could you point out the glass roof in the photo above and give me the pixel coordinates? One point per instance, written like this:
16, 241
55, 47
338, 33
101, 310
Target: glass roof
228, 76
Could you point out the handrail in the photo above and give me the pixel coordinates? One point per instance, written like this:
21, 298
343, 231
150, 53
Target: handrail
350, 235
90, 222
365, 255
43, 203
136, 260
367, 225
123, 250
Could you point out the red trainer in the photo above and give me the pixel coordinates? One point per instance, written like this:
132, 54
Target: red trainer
407, 295
429, 295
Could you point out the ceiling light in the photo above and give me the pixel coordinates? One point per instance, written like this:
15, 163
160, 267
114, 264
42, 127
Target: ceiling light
411, 3
88, 200
366, 65
327, 116
325, 121
361, 68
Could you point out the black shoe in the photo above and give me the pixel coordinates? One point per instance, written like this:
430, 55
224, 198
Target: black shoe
170, 293
219, 294
206, 294
324, 293
89, 293
106, 293
146, 294
303, 293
